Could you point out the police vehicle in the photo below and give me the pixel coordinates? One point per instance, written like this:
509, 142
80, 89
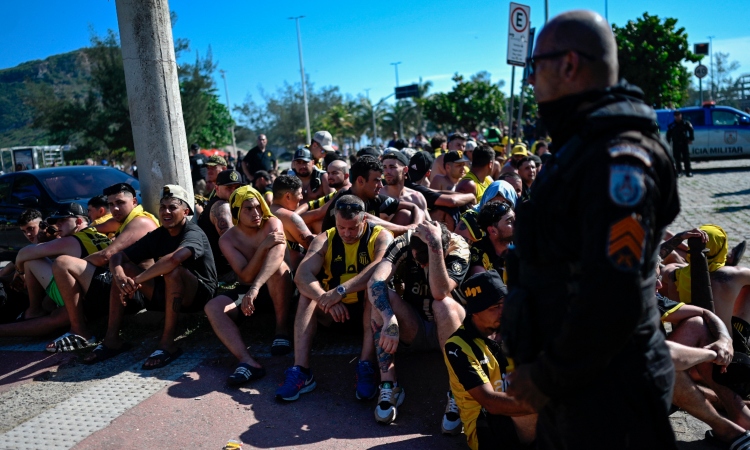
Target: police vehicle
721, 132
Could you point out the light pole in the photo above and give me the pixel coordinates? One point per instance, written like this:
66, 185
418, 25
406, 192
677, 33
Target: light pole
396, 66
400, 124
304, 82
229, 107
546, 11
606, 11
374, 126
711, 63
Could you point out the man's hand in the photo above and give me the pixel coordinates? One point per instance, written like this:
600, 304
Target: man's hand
428, 231
327, 300
524, 390
339, 312
695, 232
248, 301
724, 352
127, 287
389, 334
272, 240
19, 282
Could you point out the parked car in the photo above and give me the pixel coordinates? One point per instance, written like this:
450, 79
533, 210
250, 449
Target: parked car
48, 190
721, 132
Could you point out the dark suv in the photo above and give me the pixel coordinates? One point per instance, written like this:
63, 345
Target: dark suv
48, 190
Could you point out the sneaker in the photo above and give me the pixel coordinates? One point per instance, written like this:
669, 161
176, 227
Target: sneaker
366, 387
451, 420
391, 397
295, 383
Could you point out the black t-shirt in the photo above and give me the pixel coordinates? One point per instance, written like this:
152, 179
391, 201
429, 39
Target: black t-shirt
430, 195
382, 204
415, 278
204, 221
159, 242
259, 160
198, 167
483, 254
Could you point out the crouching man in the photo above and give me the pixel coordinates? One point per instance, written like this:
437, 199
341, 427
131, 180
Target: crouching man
477, 370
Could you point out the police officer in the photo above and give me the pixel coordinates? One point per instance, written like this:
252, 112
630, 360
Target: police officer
680, 134
580, 321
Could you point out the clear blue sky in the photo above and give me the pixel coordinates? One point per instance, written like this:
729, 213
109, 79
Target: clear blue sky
349, 44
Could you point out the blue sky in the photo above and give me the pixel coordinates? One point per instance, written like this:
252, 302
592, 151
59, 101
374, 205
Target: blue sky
349, 44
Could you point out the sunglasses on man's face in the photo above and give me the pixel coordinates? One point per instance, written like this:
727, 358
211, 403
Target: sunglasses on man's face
531, 62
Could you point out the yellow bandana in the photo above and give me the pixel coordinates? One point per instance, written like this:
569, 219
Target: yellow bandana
718, 249
239, 196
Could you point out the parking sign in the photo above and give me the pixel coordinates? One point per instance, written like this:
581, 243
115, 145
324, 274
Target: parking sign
518, 34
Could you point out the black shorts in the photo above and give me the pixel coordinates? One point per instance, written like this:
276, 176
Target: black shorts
354, 324
158, 300
96, 299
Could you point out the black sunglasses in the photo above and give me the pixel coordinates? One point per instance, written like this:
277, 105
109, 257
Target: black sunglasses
531, 62
349, 207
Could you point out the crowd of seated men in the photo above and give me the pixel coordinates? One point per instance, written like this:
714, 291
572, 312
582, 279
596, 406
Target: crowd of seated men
403, 248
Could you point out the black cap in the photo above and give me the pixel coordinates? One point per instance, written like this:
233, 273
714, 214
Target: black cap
195, 147
537, 159
419, 164
303, 154
395, 154
368, 151
228, 177
483, 290
457, 156
457, 136
69, 210
119, 187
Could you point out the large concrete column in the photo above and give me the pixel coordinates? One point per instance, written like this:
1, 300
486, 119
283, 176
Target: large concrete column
153, 97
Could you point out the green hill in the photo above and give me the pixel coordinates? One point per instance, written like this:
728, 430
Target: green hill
66, 73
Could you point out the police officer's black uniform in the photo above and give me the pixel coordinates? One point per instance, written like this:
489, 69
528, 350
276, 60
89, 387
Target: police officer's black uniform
679, 134
582, 309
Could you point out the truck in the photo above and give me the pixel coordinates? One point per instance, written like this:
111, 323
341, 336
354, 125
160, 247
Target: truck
17, 159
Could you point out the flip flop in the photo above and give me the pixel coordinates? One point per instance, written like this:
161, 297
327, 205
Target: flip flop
162, 357
281, 345
244, 373
741, 443
737, 252
70, 342
103, 353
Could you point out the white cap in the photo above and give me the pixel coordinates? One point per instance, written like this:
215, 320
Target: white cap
325, 140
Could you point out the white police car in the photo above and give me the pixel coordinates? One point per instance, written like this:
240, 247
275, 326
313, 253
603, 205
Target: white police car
721, 132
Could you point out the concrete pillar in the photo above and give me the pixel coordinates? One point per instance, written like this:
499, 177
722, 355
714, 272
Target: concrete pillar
154, 97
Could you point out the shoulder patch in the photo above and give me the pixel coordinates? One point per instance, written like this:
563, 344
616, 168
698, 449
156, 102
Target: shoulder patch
627, 185
631, 150
625, 244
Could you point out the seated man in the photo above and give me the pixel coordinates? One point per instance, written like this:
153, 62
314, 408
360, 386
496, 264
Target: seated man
340, 256
44, 314
395, 168
314, 180
478, 179
262, 183
491, 418
287, 193
496, 220
455, 169
338, 180
98, 210
216, 219
17, 299
182, 279
498, 191
85, 284
431, 263
254, 249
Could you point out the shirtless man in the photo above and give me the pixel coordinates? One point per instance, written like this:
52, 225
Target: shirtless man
478, 178
456, 142
287, 193
254, 248
216, 219
314, 180
90, 279
395, 168
455, 168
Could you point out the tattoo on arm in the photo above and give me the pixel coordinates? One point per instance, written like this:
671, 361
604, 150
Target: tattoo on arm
221, 217
434, 244
302, 230
384, 359
669, 246
177, 304
379, 293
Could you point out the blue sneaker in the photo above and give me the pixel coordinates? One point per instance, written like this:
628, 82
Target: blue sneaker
295, 383
366, 387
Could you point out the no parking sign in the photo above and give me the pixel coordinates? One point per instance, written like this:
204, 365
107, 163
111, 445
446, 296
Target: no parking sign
518, 34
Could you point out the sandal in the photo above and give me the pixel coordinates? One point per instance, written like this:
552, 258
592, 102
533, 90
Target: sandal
70, 342
741, 443
281, 345
103, 353
244, 373
736, 254
162, 358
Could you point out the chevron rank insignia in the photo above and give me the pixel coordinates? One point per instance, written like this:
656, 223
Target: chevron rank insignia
627, 185
625, 246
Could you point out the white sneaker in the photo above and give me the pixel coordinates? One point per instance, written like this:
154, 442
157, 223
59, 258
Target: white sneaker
451, 419
391, 397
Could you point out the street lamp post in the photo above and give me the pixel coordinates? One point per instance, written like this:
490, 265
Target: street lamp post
229, 107
395, 65
304, 82
400, 124
374, 126
711, 63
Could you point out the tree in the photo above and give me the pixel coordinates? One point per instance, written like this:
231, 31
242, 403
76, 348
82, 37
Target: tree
725, 88
470, 105
651, 54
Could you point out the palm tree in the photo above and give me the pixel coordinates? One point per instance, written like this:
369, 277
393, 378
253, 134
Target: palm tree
399, 116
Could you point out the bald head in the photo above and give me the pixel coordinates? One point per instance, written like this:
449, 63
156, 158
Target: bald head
592, 44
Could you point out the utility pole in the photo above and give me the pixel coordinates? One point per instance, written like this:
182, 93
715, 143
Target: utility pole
400, 124
546, 11
606, 11
374, 126
711, 63
153, 97
395, 65
304, 82
229, 107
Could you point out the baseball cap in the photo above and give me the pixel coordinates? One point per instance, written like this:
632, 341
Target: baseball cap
228, 177
455, 157
178, 192
325, 140
117, 188
303, 154
217, 160
471, 145
456, 136
419, 164
397, 155
519, 149
368, 151
69, 210
483, 290
195, 147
